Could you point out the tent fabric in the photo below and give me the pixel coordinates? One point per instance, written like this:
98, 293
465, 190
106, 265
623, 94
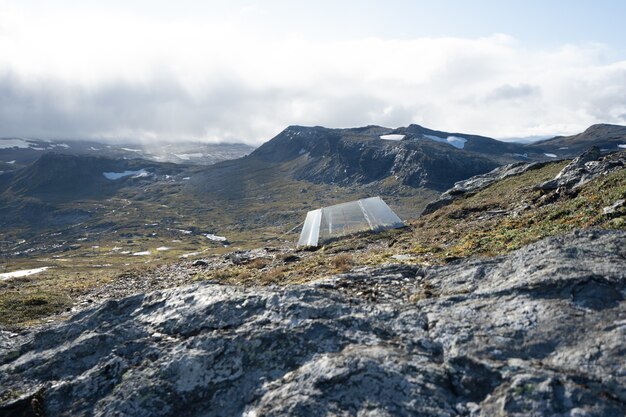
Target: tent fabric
347, 218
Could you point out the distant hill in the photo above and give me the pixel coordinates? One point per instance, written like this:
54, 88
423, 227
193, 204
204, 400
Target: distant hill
19, 152
604, 136
360, 156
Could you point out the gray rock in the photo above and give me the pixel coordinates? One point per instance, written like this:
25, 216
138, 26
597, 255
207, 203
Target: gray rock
614, 208
537, 332
588, 166
474, 184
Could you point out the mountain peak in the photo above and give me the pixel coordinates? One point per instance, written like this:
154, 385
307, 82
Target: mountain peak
604, 128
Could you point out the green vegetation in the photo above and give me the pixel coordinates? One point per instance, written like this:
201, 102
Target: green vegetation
18, 306
510, 214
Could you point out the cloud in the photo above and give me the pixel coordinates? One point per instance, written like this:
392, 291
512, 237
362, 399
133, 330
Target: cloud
509, 92
107, 75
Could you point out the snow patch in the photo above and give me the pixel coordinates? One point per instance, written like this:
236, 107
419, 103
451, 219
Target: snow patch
187, 255
455, 141
301, 151
22, 273
61, 145
13, 143
185, 232
623, 146
186, 178
162, 248
144, 253
215, 238
117, 175
11, 162
521, 155
130, 149
392, 137
188, 156
550, 155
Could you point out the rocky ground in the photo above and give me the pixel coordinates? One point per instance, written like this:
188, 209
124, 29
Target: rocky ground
537, 332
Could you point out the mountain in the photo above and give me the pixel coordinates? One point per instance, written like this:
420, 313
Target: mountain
607, 137
415, 156
18, 152
507, 300
60, 177
360, 156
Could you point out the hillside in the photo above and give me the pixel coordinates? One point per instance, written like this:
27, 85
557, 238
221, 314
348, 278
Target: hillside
604, 136
507, 300
349, 156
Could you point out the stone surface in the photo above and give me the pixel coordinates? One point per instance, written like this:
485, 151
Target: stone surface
589, 165
583, 169
537, 332
615, 207
479, 182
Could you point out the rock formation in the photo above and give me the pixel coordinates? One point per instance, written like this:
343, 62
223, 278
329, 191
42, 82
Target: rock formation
589, 165
537, 332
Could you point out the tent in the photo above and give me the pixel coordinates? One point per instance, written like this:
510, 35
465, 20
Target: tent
346, 218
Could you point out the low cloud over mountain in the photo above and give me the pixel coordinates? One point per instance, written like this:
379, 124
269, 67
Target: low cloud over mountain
89, 73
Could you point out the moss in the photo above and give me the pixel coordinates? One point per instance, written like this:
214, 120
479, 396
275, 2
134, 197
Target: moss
23, 307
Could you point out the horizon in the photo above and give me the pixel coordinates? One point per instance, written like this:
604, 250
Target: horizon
166, 141
152, 72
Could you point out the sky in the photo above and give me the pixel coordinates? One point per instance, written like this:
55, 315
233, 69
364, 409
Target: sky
242, 70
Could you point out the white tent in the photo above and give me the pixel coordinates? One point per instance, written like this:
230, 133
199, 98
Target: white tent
346, 218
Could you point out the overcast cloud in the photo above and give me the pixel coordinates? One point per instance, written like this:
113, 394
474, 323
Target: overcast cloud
82, 74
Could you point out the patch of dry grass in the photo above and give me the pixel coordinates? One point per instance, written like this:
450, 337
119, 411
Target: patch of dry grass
342, 262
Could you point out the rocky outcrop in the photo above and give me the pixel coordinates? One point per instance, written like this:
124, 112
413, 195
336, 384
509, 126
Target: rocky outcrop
581, 170
537, 332
589, 165
475, 184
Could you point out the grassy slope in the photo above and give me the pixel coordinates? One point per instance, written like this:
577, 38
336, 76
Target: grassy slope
497, 220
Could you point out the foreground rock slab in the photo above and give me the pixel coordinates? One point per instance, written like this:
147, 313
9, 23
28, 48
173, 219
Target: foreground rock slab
540, 331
